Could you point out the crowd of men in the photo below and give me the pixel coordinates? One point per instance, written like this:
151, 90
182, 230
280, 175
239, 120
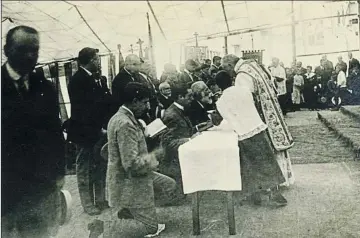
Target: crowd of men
136, 169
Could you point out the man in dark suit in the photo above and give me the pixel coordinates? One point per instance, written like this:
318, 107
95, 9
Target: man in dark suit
352, 63
187, 77
201, 104
87, 128
129, 73
180, 130
147, 80
215, 67
32, 143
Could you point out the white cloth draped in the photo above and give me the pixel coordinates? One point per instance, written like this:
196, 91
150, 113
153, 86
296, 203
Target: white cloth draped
236, 106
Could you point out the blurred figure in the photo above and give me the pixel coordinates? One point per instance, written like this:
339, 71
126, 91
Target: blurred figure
279, 74
215, 89
87, 129
354, 85
201, 104
182, 68
342, 64
310, 85
32, 150
129, 73
187, 77
289, 89
298, 85
152, 84
169, 70
215, 67
299, 67
204, 72
342, 94
165, 99
352, 63
223, 80
207, 62
228, 64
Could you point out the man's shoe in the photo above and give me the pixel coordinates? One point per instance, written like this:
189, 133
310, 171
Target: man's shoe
92, 211
102, 205
161, 227
125, 214
277, 199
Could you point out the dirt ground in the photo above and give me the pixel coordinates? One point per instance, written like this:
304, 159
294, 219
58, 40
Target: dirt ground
324, 202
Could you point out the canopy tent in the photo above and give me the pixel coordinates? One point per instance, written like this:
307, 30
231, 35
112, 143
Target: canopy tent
68, 26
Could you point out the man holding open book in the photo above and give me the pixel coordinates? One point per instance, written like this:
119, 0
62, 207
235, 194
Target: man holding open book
131, 176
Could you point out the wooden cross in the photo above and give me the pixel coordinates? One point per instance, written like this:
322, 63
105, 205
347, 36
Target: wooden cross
140, 42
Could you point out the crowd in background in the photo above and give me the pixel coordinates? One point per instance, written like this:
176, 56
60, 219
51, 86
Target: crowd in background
320, 87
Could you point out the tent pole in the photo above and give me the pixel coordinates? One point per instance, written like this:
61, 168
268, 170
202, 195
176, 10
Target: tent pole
293, 34
224, 12
359, 21
226, 45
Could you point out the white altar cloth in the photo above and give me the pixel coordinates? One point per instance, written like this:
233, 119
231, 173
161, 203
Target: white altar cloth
211, 162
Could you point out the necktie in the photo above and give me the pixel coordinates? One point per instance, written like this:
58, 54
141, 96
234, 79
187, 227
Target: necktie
98, 83
22, 87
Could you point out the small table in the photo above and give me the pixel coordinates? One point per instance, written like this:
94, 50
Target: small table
196, 213
212, 166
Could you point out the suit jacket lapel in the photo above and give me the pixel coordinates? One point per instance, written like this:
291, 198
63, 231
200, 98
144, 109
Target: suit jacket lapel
132, 118
182, 115
8, 84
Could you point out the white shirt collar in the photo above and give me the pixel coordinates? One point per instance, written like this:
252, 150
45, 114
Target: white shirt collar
166, 97
87, 71
129, 74
179, 106
201, 104
127, 71
127, 109
12, 73
188, 72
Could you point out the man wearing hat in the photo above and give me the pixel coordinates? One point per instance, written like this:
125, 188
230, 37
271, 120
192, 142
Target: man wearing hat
86, 129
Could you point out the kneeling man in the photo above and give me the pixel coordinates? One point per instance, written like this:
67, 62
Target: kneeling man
131, 176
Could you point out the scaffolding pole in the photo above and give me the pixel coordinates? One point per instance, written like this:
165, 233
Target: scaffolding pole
258, 28
224, 12
226, 45
293, 34
359, 21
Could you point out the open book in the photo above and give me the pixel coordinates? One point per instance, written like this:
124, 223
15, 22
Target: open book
154, 128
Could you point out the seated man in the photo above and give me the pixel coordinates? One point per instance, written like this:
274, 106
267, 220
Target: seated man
164, 99
201, 104
131, 176
180, 130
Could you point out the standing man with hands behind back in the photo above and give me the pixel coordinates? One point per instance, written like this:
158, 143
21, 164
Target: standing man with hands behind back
86, 129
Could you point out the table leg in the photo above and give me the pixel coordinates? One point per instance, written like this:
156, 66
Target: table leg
195, 213
231, 216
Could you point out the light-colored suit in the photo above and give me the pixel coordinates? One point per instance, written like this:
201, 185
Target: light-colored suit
130, 167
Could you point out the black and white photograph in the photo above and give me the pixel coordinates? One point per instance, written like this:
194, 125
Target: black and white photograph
129, 119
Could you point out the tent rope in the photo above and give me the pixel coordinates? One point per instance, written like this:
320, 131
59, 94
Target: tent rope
82, 17
157, 22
